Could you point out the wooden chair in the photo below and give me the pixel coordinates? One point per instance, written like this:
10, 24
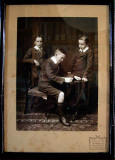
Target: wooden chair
31, 92
30, 99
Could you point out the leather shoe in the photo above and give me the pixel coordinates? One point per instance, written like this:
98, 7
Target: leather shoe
64, 122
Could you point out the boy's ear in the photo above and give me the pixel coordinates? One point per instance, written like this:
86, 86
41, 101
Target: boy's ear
55, 54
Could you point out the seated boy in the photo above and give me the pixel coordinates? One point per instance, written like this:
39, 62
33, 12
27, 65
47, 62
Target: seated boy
49, 78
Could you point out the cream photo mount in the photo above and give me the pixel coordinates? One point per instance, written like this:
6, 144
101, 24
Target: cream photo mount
56, 141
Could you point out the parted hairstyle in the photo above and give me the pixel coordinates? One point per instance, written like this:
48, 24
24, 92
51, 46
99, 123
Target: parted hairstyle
61, 50
84, 38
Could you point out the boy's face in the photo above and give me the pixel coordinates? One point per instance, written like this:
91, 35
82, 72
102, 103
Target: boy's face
39, 41
59, 56
81, 44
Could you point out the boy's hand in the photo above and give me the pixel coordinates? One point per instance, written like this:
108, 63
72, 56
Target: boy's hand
77, 78
84, 79
36, 62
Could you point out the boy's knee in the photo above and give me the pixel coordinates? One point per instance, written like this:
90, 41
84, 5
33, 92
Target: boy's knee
61, 97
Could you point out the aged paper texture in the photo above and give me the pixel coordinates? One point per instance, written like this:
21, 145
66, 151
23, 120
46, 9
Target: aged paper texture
56, 141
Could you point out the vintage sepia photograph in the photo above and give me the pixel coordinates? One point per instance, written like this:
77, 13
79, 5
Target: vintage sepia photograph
57, 79
57, 74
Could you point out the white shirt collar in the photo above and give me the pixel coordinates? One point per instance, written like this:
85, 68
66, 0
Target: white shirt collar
84, 50
37, 48
54, 59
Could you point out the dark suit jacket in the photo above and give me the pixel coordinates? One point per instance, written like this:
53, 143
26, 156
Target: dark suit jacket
49, 77
31, 55
82, 63
49, 72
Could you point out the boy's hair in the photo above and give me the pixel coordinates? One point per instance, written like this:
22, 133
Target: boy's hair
61, 50
39, 35
84, 38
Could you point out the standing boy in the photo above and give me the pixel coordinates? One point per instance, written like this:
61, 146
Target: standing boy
81, 69
35, 56
82, 63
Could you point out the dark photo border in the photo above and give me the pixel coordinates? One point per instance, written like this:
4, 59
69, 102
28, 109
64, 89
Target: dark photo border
48, 156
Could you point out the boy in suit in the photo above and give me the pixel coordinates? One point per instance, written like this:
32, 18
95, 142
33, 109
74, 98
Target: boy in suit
82, 68
35, 56
49, 78
82, 62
